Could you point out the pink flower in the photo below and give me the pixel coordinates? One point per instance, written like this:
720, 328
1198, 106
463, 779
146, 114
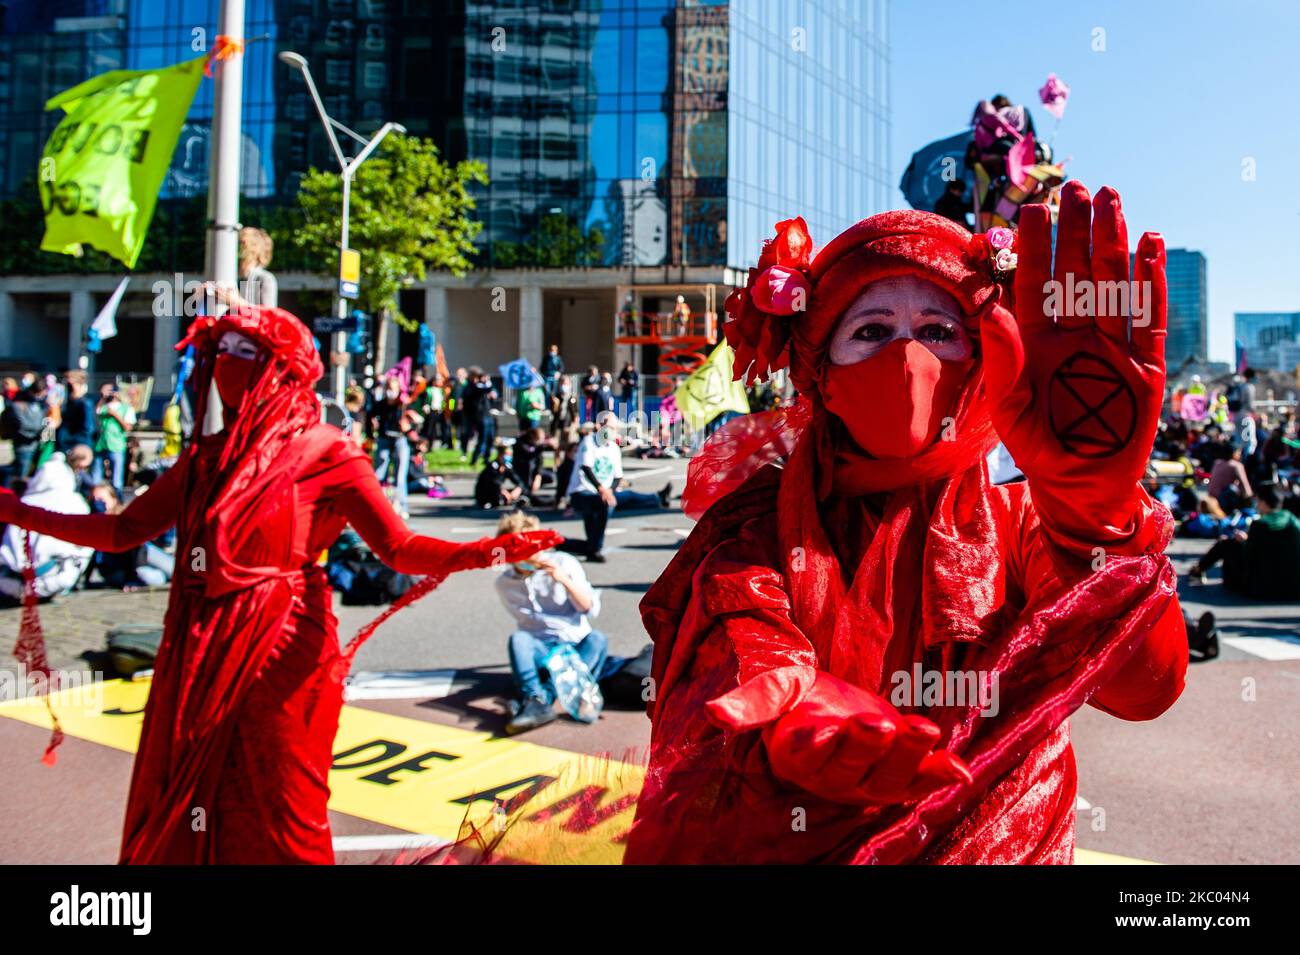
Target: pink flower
1000, 237
779, 290
1005, 260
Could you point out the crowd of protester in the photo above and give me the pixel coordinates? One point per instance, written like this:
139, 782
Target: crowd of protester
1232, 478
74, 454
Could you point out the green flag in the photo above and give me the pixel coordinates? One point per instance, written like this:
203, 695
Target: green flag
104, 164
709, 391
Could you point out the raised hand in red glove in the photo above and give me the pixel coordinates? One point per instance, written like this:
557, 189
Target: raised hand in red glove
506, 549
1077, 375
839, 741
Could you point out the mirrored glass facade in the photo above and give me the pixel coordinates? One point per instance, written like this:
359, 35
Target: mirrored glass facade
615, 132
1185, 271
808, 118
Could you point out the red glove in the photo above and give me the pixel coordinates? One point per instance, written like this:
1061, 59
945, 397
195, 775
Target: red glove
839, 741
1077, 397
506, 549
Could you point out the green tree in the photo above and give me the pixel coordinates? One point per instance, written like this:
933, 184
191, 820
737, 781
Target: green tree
410, 212
557, 242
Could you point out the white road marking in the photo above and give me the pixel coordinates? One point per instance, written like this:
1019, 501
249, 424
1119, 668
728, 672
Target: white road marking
1266, 648
1081, 804
649, 472
386, 842
399, 685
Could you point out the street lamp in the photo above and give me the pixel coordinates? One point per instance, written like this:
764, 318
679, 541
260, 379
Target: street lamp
348, 168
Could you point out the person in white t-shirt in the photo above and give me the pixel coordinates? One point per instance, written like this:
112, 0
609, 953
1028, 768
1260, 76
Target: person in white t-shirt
595, 487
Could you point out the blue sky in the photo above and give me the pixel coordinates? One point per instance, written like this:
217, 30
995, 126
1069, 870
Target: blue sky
1184, 91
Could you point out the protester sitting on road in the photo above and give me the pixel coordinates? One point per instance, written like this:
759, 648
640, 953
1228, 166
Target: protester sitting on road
1264, 562
145, 566
1229, 484
490, 489
1202, 638
58, 564
552, 602
82, 460
596, 486
528, 452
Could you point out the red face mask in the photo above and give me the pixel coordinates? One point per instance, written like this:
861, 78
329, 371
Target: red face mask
894, 403
233, 376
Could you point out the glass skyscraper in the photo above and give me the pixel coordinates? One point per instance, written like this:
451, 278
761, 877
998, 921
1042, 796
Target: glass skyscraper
638, 147
1185, 270
1269, 338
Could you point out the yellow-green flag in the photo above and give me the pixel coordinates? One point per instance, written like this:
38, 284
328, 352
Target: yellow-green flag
104, 164
709, 391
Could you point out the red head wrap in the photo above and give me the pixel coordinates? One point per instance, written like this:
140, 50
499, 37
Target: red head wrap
785, 316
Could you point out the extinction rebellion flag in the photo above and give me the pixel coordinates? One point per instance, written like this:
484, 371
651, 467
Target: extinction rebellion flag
104, 164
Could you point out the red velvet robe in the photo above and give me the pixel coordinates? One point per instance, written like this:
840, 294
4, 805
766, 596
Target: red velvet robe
235, 751
724, 611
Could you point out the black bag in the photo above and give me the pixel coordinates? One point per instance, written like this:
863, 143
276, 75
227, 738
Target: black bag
132, 647
374, 583
625, 688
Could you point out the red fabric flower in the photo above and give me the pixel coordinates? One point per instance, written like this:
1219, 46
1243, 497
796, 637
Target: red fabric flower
780, 291
759, 326
792, 246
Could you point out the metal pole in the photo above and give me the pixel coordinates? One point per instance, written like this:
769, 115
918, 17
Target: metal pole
347, 169
341, 338
222, 259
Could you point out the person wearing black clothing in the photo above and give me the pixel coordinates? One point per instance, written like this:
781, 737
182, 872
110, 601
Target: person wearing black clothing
590, 393
22, 423
78, 424
552, 369
1264, 563
528, 460
479, 399
460, 423
953, 205
490, 489
629, 383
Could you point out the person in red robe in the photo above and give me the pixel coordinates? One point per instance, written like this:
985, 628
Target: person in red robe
235, 750
866, 652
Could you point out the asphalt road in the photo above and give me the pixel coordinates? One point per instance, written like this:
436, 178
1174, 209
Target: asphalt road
1210, 781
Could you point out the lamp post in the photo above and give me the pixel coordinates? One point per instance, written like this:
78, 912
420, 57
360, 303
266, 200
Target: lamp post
222, 253
347, 168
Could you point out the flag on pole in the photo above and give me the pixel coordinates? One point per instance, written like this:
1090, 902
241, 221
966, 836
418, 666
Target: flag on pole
519, 374
709, 391
104, 164
105, 323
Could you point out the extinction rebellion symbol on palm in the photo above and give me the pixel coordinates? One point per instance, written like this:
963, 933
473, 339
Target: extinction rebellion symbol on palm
1092, 407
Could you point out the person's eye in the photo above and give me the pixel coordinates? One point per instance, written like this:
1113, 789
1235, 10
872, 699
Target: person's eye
872, 332
937, 332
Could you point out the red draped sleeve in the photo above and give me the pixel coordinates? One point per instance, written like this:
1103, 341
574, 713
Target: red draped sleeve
149, 514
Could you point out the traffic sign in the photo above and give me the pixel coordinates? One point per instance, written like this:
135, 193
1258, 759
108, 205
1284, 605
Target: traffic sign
349, 273
329, 324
